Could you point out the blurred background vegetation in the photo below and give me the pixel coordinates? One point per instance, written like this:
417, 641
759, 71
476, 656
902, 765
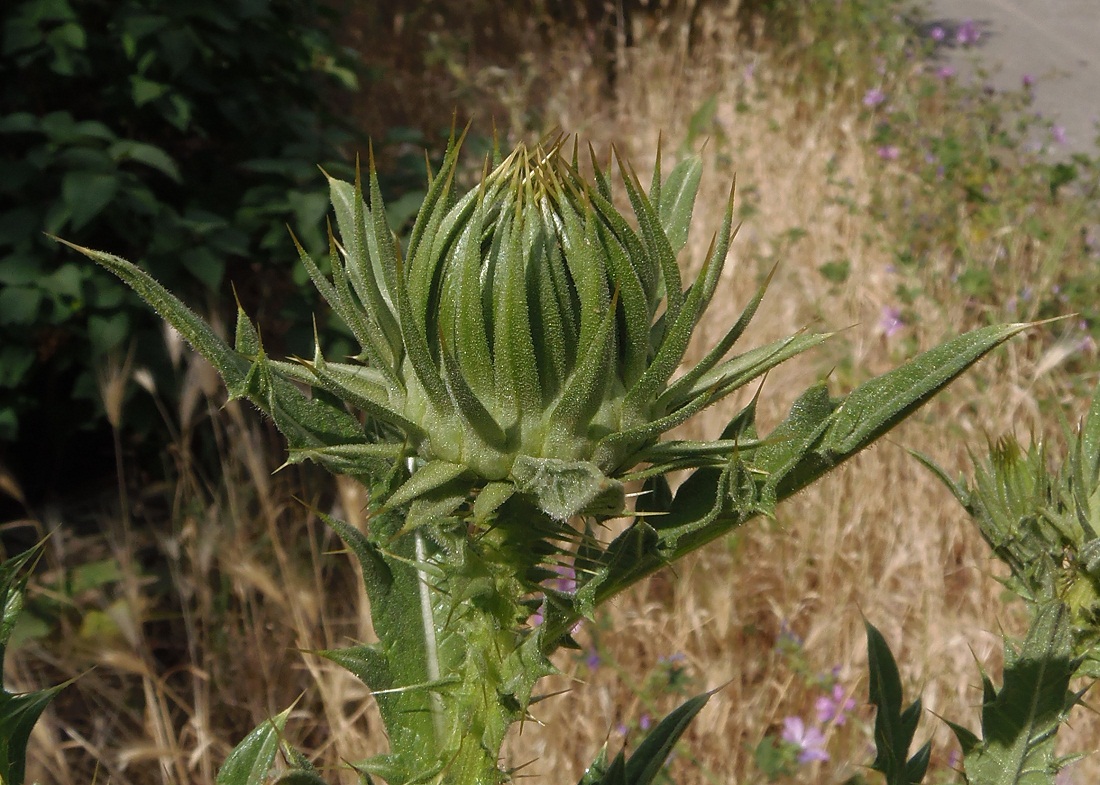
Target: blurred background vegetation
186, 137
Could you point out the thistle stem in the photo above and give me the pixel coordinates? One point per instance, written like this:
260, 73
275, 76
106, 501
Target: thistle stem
427, 620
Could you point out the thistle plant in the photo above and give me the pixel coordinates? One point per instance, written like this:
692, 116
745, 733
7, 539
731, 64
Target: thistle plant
519, 365
1043, 522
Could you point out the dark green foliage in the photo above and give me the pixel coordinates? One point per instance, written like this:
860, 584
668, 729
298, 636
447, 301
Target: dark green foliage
186, 135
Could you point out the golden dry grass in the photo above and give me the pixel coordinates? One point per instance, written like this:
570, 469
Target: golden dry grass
252, 580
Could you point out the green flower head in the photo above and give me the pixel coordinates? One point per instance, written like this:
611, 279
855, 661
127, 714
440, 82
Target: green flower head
529, 333
525, 341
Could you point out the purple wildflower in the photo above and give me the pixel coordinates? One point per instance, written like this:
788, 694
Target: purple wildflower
592, 660
834, 708
946, 72
1028, 81
874, 97
644, 722
891, 321
810, 741
1058, 134
937, 34
889, 152
967, 33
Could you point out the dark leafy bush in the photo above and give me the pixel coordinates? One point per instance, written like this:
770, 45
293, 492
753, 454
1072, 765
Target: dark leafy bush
185, 134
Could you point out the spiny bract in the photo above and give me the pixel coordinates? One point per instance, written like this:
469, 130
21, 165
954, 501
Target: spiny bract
525, 341
529, 333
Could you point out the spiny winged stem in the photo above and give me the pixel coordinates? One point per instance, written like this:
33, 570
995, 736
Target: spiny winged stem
518, 366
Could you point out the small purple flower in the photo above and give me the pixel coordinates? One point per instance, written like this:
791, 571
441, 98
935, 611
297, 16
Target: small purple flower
1058, 134
937, 34
967, 33
1028, 81
644, 722
946, 72
874, 97
810, 741
889, 152
592, 659
891, 321
834, 708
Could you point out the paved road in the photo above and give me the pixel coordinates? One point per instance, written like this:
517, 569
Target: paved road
1057, 42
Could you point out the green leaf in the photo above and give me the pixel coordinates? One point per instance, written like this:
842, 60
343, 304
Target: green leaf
108, 332
880, 404
428, 477
300, 777
15, 361
305, 422
147, 154
894, 725
145, 90
596, 770
18, 713
397, 669
646, 763
490, 498
563, 489
86, 194
1021, 721
251, 761
19, 304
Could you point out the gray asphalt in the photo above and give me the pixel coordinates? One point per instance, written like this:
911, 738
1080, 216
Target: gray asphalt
1055, 42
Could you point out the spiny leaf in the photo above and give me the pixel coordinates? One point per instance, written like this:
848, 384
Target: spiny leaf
660, 259
880, 404
490, 498
678, 389
231, 366
894, 725
252, 759
1020, 723
428, 477
646, 763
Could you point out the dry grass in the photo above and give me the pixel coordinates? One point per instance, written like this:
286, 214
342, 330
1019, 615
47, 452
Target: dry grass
228, 577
